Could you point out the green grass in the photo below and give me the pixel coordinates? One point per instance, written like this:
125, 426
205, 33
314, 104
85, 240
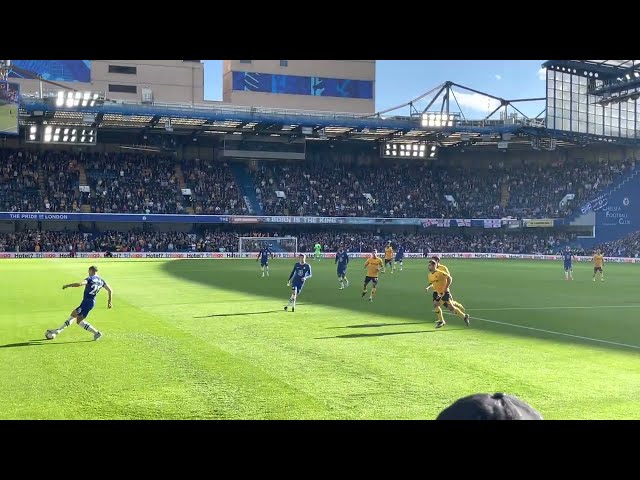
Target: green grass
208, 339
9, 118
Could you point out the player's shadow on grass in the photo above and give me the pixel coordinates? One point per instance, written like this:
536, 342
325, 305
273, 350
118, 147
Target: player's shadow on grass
242, 277
40, 341
383, 334
237, 314
397, 299
371, 325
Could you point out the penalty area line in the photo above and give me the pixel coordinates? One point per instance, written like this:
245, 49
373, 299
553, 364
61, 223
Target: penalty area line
596, 340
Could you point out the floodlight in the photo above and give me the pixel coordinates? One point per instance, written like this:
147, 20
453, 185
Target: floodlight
438, 120
69, 99
59, 134
416, 149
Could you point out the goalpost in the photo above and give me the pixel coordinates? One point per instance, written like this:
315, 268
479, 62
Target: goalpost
276, 244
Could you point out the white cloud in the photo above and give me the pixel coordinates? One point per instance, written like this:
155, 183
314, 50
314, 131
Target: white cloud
498, 77
476, 102
542, 74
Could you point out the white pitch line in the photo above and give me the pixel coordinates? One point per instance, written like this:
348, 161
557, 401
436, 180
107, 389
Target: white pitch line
557, 333
550, 308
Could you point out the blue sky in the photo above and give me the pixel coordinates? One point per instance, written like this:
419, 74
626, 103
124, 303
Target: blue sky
398, 81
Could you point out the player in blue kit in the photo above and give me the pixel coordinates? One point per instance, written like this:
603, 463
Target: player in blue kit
400, 255
263, 256
92, 285
568, 267
342, 260
300, 273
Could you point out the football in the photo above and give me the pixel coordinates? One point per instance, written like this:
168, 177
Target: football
50, 335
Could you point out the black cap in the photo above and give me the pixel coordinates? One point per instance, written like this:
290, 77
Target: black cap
483, 406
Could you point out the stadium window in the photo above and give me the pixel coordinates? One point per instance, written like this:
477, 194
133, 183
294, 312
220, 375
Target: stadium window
123, 69
245, 61
284, 63
123, 88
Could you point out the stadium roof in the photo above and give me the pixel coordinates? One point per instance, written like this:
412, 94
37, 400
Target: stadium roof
207, 121
614, 63
606, 68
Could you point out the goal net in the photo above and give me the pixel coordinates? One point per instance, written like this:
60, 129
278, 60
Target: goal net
275, 244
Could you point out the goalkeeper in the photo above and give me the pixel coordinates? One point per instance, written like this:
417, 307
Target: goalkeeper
317, 249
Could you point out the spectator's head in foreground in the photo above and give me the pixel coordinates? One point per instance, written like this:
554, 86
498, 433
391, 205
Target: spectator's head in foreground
483, 406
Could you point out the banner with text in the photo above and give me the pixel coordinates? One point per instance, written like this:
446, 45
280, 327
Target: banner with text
291, 255
545, 222
620, 215
249, 219
461, 222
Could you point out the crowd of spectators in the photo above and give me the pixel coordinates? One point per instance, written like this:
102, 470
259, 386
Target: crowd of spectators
483, 241
340, 185
214, 190
537, 191
112, 241
19, 181
628, 246
60, 189
223, 240
132, 183
352, 187
44, 241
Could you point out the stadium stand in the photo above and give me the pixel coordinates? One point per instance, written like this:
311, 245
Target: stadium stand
214, 189
628, 246
342, 185
214, 240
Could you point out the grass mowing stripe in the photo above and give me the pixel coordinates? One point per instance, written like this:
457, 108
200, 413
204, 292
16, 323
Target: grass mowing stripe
554, 333
577, 307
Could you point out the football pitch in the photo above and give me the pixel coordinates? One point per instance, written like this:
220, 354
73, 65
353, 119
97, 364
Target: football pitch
208, 339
